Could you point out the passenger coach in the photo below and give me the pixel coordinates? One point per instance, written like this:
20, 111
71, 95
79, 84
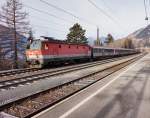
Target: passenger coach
98, 52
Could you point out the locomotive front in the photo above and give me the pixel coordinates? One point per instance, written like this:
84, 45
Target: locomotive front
34, 54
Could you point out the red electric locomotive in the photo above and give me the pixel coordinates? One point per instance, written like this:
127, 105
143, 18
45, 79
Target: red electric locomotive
49, 50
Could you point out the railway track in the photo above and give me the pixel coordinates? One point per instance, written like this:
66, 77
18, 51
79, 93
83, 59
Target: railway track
17, 71
30, 105
20, 81
21, 71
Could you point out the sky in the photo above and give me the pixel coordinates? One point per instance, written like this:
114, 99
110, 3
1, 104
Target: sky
118, 17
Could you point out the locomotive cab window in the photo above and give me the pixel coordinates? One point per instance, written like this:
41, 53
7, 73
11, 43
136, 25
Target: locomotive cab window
35, 45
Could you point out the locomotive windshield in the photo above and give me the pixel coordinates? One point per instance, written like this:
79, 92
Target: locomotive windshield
36, 44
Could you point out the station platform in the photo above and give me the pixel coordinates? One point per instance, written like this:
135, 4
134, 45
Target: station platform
125, 94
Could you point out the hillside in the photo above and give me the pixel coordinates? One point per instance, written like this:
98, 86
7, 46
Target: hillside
140, 38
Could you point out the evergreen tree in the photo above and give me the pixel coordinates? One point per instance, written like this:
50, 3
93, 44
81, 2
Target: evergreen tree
109, 39
77, 34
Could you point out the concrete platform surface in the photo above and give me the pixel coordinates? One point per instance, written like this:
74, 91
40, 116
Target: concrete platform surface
126, 94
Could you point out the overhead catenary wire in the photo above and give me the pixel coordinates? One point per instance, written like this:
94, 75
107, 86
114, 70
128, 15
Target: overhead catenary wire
47, 13
66, 20
109, 8
69, 13
42, 20
101, 10
46, 27
105, 13
106, 5
94, 25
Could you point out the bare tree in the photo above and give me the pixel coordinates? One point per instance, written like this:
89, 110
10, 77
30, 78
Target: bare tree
16, 19
128, 43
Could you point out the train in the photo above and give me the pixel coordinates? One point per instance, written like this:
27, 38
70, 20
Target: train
47, 50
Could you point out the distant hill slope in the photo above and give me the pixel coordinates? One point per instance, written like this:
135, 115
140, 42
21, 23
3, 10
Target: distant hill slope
140, 38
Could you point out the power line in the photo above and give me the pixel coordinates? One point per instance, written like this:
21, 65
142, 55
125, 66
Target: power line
49, 31
60, 9
47, 21
58, 24
67, 12
106, 5
105, 13
46, 27
101, 10
47, 13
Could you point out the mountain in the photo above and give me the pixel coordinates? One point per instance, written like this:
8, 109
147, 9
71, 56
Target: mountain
141, 37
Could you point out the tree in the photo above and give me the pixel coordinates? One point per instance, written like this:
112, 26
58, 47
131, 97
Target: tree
109, 39
77, 34
16, 19
128, 43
